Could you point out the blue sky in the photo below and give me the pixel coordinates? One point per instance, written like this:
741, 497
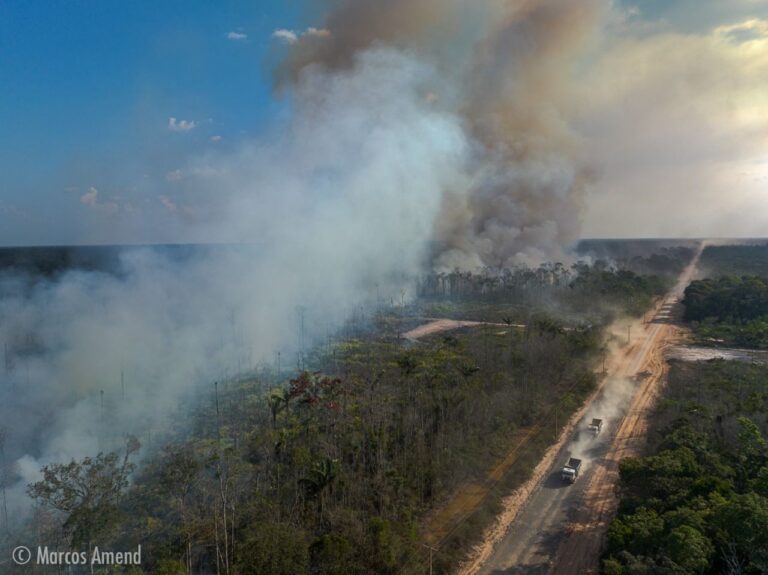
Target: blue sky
88, 89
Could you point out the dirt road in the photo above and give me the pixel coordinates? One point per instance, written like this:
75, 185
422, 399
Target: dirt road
560, 530
441, 325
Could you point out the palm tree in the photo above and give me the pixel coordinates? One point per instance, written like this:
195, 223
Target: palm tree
278, 400
319, 479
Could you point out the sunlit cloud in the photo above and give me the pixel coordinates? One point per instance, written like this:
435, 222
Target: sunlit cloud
9, 210
175, 125
237, 36
291, 37
286, 36
679, 120
174, 176
168, 204
92, 199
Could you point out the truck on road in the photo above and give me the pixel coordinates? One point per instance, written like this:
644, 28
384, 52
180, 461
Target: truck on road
571, 470
596, 426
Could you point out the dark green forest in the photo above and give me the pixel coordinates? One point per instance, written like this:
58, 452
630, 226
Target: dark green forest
599, 290
697, 503
730, 309
735, 259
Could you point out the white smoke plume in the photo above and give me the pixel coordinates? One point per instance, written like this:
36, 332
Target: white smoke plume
337, 206
424, 134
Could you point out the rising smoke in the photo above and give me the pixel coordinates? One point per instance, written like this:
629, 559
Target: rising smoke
509, 69
425, 134
337, 207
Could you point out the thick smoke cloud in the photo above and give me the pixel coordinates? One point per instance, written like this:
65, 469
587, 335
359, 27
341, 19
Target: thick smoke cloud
509, 69
424, 134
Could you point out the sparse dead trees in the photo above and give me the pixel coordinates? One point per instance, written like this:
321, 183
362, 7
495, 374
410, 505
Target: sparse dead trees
3, 483
180, 477
223, 520
228, 478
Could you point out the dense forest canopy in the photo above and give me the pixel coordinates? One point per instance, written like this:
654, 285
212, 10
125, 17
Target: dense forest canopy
743, 259
731, 310
727, 299
582, 289
697, 503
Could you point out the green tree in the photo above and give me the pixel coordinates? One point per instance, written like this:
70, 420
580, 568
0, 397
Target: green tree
745, 522
276, 549
87, 492
319, 479
334, 555
169, 567
760, 484
689, 548
752, 447
612, 566
278, 401
383, 546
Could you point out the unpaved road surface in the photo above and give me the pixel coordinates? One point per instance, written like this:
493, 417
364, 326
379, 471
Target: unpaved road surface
561, 528
441, 325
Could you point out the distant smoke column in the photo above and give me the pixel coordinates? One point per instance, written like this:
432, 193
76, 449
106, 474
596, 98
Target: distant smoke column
525, 204
509, 67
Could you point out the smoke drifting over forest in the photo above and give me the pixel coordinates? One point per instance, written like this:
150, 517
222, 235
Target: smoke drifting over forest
424, 135
342, 206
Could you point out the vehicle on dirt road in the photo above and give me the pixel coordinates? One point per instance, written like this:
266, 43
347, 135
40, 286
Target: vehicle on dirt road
571, 470
596, 426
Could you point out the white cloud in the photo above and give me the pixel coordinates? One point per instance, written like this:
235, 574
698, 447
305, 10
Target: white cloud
111, 206
206, 171
215, 139
181, 210
174, 176
237, 36
175, 125
291, 37
90, 198
318, 32
168, 204
9, 210
752, 29
286, 36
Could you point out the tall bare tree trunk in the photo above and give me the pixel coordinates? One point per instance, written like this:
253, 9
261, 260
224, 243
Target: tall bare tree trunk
3, 481
216, 538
